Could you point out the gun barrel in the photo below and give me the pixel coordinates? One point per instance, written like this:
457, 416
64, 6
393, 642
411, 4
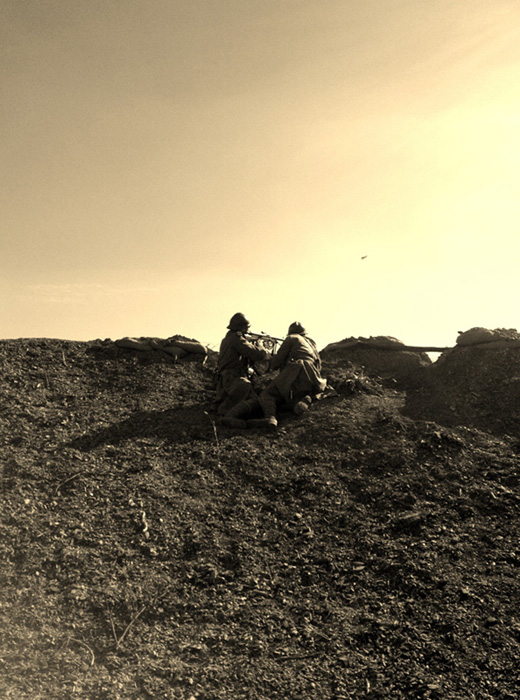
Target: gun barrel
264, 336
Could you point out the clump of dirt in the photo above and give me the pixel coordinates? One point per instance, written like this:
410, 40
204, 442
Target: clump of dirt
476, 386
149, 552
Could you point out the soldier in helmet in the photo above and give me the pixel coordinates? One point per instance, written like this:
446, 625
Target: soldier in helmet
236, 357
298, 381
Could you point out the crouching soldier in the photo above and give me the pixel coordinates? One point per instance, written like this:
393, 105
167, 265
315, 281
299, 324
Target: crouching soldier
236, 356
298, 381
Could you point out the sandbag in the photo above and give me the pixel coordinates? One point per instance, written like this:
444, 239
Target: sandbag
173, 350
341, 345
172, 346
376, 342
133, 344
381, 341
478, 336
190, 346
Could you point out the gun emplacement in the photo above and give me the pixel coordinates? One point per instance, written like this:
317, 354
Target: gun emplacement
269, 342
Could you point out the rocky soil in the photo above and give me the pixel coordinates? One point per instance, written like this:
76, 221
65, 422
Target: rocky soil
477, 386
148, 552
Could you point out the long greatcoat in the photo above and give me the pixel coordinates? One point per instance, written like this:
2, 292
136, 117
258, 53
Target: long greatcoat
300, 364
236, 355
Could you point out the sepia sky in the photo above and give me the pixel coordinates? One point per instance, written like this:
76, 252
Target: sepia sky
352, 164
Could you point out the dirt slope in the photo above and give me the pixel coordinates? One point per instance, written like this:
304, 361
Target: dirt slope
149, 553
476, 386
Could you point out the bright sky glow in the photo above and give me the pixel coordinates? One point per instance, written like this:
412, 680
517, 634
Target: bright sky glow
166, 164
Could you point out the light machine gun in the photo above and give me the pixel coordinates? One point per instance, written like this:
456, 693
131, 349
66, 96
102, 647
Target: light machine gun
268, 342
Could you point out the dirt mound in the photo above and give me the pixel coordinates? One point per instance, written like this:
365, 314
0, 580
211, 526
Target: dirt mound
148, 552
473, 385
383, 356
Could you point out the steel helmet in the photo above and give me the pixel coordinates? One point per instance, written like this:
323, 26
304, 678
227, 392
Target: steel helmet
238, 322
296, 327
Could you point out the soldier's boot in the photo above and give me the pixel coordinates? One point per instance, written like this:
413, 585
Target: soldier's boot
302, 405
235, 417
269, 422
